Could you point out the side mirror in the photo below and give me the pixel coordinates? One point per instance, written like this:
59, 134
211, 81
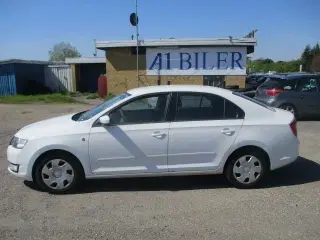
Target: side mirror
104, 120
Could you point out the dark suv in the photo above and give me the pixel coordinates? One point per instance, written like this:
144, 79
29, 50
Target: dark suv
297, 93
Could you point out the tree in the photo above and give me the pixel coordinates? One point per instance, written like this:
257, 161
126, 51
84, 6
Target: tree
306, 57
316, 50
63, 50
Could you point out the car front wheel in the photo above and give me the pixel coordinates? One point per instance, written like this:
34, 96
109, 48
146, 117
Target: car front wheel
247, 169
58, 174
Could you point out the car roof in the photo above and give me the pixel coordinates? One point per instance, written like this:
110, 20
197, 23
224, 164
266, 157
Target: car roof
178, 88
294, 75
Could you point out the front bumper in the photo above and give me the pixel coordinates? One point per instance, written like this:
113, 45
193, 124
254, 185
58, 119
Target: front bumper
17, 165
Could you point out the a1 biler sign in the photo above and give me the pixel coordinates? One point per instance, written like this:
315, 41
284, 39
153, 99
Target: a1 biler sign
197, 61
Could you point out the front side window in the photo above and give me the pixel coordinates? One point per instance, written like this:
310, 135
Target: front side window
198, 106
307, 85
147, 109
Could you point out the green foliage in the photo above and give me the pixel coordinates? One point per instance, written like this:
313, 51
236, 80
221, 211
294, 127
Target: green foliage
308, 55
63, 50
46, 98
93, 96
109, 96
266, 64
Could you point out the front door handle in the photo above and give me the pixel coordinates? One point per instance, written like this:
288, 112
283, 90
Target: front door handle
228, 131
301, 96
158, 135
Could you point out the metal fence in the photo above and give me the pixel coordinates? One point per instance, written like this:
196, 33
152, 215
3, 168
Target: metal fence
59, 78
7, 80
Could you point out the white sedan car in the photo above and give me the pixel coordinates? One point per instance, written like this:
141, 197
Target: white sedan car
157, 131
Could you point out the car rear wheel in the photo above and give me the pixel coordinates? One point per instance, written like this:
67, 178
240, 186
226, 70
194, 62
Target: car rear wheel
58, 174
246, 169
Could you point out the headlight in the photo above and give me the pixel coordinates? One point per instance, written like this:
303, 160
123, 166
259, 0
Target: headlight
18, 142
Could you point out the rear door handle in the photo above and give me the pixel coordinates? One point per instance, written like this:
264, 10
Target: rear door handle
228, 131
158, 135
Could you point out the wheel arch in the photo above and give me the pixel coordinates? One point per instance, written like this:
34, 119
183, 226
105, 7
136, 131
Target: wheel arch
57, 152
289, 104
247, 148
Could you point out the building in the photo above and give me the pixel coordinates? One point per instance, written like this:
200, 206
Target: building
22, 77
315, 65
86, 71
176, 61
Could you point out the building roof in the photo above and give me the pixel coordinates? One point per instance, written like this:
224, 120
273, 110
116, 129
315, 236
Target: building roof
80, 60
10, 61
172, 42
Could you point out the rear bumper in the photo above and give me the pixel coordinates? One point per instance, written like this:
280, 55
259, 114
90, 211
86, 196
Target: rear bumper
291, 155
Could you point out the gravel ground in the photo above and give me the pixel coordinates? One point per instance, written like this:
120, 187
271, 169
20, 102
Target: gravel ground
197, 207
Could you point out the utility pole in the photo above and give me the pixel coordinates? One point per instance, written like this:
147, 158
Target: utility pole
137, 37
134, 20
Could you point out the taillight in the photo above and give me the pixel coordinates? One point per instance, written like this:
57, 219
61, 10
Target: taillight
293, 126
274, 92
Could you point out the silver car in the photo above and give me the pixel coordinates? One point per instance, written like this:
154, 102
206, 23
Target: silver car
297, 93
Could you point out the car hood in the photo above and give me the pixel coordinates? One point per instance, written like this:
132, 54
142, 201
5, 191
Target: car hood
49, 127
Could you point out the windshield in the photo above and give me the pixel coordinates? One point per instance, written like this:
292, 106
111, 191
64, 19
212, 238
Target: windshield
94, 111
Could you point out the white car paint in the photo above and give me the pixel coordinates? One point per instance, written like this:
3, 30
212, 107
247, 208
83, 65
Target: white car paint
155, 149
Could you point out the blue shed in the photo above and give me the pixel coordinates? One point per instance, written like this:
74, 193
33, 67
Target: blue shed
21, 77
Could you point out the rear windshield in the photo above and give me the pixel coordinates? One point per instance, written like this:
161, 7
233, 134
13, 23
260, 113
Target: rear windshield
254, 101
278, 83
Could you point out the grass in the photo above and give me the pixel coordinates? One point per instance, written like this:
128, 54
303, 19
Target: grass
93, 96
46, 98
50, 98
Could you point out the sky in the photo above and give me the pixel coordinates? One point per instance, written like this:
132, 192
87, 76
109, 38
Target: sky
29, 29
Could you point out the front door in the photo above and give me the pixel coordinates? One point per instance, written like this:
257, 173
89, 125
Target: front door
203, 129
135, 142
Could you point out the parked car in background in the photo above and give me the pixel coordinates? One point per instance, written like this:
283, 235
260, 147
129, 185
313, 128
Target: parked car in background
298, 93
157, 131
255, 80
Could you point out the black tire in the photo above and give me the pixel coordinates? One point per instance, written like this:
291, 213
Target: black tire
78, 174
290, 106
232, 161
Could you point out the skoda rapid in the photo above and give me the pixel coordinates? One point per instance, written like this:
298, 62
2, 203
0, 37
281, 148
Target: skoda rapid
157, 131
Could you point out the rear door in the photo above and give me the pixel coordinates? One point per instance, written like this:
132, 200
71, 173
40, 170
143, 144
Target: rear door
203, 127
309, 96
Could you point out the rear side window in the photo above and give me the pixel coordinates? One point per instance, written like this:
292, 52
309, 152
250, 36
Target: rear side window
307, 85
278, 83
198, 106
232, 111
